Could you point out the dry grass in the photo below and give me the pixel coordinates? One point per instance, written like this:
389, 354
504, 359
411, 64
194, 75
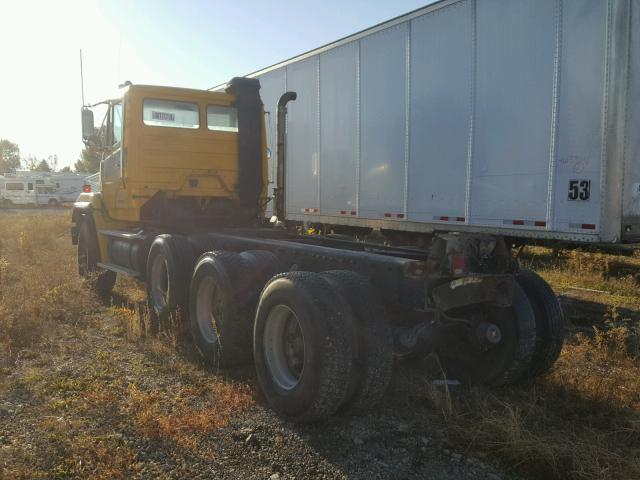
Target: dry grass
39, 286
581, 421
75, 387
192, 412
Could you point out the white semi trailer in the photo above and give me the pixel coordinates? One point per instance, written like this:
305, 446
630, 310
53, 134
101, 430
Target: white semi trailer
518, 118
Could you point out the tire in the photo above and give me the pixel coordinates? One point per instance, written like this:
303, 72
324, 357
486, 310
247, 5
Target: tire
373, 353
550, 322
220, 312
259, 267
504, 363
168, 273
201, 243
101, 281
53, 203
305, 378
223, 331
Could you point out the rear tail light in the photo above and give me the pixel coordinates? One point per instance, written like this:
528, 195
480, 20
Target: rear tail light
86, 188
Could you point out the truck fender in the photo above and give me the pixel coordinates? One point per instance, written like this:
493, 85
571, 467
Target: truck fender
80, 211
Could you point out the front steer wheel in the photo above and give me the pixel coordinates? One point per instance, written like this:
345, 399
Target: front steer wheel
303, 346
101, 281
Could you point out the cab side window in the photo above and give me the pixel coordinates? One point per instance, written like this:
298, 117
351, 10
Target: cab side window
222, 118
117, 123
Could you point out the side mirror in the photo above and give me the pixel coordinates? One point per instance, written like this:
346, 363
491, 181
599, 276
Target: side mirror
88, 129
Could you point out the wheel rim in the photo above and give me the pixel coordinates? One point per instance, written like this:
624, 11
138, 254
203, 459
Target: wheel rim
160, 282
205, 301
284, 347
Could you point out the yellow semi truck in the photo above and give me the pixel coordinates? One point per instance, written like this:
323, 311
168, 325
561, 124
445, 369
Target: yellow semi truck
181, 208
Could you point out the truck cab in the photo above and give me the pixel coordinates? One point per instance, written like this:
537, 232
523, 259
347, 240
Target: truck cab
172, 154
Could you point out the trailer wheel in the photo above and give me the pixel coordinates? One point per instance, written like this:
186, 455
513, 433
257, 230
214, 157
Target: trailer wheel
475, 351
167, 278
550, 322
303, 346
101, 281
373, 353
220, 321
53, 203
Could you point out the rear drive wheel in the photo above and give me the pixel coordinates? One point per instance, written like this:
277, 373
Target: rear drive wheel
225, 287
373, 353
489, 344
550, 322
303, 346
100, 280
167, 278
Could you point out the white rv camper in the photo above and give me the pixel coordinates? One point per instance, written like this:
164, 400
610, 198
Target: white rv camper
39, 188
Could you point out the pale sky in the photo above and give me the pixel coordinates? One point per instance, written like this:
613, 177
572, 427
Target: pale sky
189, 43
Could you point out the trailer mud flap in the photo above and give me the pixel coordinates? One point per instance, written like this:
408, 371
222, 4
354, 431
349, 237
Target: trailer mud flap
471, 290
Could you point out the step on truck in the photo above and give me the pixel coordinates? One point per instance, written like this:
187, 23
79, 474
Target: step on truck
323, 308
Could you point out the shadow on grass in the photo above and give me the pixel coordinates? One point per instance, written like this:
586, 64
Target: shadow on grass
585, 314
606, 267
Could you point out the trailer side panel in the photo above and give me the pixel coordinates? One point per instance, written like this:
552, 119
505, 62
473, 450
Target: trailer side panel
471, 115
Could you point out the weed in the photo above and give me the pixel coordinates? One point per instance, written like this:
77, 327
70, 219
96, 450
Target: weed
190, 414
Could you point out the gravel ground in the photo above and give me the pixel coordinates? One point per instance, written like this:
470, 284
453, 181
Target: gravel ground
68, 411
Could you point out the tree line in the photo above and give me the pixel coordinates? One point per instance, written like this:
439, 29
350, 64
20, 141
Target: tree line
10, 160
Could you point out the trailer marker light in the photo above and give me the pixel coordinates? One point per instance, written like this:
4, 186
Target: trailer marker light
588, 226
540, 223
387, 215
343, 212
400, 215
446, 218
353, 212
518, 222
86, 188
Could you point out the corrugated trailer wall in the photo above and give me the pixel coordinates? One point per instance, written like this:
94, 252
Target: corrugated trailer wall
491, 115
631, 202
